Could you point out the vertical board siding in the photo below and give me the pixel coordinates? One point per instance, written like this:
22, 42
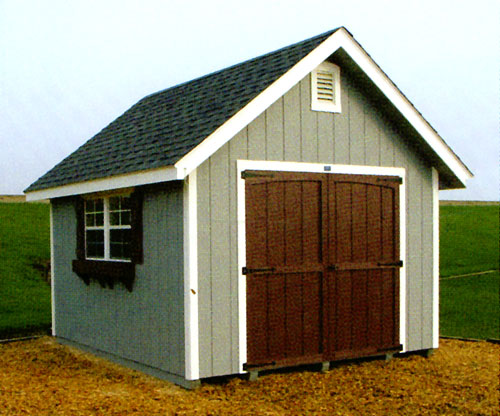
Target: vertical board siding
288, 130
205, 291
145, 325
220, 271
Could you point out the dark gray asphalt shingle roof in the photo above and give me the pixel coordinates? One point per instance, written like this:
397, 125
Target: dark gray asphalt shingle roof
163, 127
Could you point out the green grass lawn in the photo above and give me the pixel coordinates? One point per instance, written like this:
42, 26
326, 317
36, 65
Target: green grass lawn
24, 295
469, 306
469, 243
469, 239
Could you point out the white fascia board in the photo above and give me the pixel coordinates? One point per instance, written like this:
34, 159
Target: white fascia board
382, 81
243, 165
340, 39
105, 184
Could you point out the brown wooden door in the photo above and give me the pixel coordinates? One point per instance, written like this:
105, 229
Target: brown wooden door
313, 246
361, 316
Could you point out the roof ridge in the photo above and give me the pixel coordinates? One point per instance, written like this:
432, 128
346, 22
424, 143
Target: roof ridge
256, 58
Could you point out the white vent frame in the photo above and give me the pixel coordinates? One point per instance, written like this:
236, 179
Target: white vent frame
319, 103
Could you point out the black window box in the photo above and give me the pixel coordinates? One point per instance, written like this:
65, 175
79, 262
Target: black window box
106, 273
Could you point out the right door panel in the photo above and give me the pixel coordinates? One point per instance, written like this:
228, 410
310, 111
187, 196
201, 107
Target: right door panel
361, 286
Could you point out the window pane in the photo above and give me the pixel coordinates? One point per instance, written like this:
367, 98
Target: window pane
89, 220
114, 218
114, 203
95, 243
99, 219
119, 244
99, 205
125, 218
125, 203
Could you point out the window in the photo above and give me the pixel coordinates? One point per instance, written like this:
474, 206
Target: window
109, 238
107, 228
325, 88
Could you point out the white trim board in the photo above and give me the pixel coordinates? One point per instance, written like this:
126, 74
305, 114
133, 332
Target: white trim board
168, 173
191, 332
435, 258
52, 274
313, 168
339, 39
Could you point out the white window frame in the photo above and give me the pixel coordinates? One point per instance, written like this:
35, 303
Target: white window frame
106, 227
324, 105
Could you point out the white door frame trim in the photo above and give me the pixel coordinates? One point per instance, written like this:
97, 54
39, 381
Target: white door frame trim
312, 168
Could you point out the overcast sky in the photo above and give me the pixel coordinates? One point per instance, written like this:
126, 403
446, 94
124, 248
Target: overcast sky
69, 68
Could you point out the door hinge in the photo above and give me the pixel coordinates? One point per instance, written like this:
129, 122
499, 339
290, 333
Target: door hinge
246, 366
391, 264
396, 179
246, 174
246, 270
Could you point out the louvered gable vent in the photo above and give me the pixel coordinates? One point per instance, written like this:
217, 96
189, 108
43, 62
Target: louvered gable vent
325, 88
324, 85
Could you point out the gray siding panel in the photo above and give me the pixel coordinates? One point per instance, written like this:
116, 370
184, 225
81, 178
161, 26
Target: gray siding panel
291, 120
288, 130
205, 291
274, 131
220, 265
146, 325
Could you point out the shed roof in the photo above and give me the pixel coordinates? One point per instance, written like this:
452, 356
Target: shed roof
163, 127
177, 128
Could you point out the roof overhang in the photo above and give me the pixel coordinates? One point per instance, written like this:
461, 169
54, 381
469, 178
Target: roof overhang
166, 174
340, 39
443, 158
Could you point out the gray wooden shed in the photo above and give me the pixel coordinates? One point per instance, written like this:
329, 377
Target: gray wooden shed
278, 212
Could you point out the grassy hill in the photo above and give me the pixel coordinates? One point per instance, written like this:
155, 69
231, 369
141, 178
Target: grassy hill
24, 243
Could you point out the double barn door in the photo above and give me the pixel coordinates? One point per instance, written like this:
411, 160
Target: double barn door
322, 266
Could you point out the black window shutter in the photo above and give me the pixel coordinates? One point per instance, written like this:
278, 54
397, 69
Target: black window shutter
80, 228
136, 200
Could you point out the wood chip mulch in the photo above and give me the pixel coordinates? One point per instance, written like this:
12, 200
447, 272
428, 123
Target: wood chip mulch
41, 377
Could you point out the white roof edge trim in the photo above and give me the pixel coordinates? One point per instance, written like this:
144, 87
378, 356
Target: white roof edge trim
254, 108
383, 82
105, 184
339, 39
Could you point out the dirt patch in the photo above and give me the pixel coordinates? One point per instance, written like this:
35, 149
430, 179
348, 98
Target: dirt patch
41, 377
19, 198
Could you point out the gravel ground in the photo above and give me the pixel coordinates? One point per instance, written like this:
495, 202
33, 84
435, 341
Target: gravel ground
41, 377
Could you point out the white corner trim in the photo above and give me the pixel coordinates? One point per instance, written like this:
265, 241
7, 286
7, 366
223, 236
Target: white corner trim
191, 333
52, 275
313, 168
339, 39
435, 258
105, 184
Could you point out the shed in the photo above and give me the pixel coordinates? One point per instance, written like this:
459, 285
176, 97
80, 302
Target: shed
281, 211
